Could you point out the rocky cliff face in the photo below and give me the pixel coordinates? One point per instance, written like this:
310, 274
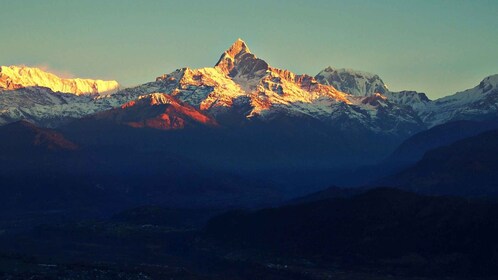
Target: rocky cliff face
156, 110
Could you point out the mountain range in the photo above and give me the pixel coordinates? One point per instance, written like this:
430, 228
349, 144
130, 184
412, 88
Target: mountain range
144, 176
242, 87
244, 115
467, 167
15, 77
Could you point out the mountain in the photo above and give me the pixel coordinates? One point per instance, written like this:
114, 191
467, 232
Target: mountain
418, 101
48, 175
239, 88
478, 103
267, 117
467, 167
357, 83
259, 109
24, 138
264, 117
383, 228
46, 100
241, 80
266, 87
414, 148
242, 87
46, 108
157, 110
16, 77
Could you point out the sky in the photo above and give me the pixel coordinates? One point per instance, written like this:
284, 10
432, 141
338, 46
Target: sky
434, 46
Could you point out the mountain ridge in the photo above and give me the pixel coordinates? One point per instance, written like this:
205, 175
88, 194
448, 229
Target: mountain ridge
16, 77
241, 87
467, 167
156, 110
24, 137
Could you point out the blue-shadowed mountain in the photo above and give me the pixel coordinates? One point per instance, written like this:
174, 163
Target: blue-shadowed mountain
23, 138
468, 167
226, 132
413, 148
351, 117
264, 117
48, 178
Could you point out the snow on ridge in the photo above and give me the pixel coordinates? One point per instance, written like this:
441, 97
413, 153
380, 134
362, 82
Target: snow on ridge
350, 71
15, 77
354, 82
242, 83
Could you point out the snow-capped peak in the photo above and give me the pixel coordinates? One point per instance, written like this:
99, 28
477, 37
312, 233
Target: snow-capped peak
351, 81
240, 87
238, 47
240, 75
485, 87
489, 83
239, 61
15, 77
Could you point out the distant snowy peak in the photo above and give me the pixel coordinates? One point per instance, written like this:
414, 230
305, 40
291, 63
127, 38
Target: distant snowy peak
239, 47
239, 61
410, 95
363, 84
414, 99
354, 82
480, 102
489, 83
488, 86
16, 77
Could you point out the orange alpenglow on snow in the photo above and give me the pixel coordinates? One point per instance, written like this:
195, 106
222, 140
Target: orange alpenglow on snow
238, 59
159, 111
240, 74
16, 77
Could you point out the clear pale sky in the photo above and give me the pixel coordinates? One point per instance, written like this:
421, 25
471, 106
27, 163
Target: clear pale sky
438, 47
